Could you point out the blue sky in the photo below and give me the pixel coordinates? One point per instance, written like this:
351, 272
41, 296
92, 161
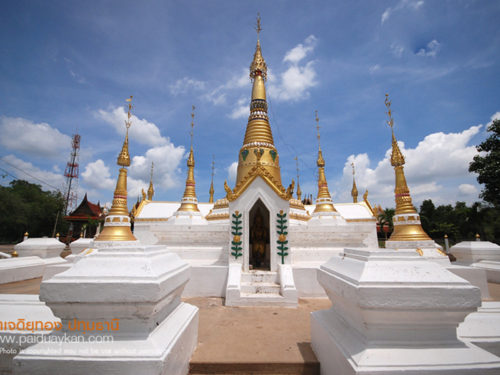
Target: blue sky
69, 66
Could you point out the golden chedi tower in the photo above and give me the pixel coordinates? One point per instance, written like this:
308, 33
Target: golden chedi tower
117, 222
151, 190
324, 203
258, 155
407, 226
189, 202
354, 190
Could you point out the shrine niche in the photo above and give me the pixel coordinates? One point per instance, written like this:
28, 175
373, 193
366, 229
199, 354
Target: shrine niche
259, 237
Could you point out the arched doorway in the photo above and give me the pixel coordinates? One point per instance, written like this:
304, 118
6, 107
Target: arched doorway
259, 237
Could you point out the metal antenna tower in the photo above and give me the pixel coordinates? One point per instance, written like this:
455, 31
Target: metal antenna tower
71, 173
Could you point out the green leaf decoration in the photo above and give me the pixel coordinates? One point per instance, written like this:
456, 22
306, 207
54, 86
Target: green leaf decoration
273, 154
244, 154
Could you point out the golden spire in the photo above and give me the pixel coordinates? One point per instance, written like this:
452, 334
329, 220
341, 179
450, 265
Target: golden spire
354, 191
258, 155
211, 191
407, 226
189, 201
151, 190
324, 200
299, 192
117, 222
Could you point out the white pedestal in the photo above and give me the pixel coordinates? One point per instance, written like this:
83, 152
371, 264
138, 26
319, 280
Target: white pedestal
483, 327
468, 252
81, 244
18, 269
22, 310
41, 247
427, 249
394, 312
123, 285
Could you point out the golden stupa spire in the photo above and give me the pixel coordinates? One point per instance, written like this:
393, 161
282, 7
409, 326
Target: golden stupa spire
189, 201
117, 222
324, 200
299, 192
258, 155
354, 191
151, 190
407, 226
211, 191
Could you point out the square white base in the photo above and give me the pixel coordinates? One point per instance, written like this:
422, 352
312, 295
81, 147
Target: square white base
340, 350
166, 351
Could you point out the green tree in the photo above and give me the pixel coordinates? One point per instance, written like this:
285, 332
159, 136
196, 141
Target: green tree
25, 207
487, 165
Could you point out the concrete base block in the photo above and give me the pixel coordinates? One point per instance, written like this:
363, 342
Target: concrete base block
482, 328
492, 269
475, 276
341, 351
166, 351
22, 310
41, 247
18, 269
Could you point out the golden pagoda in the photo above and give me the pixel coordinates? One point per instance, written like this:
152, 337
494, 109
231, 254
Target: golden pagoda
189, 202
324, 200
117, 222
258, 155
299, 192
407, 226
354, 190
151, 190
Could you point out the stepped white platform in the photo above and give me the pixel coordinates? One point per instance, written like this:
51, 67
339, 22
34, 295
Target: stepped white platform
395, 312
42, 247
261, 288
479, 254
134, 291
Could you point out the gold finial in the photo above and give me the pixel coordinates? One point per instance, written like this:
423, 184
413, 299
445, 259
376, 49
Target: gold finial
151, 190
211, 191
354, 191
258, 66
14, 254
299, 192
258, 27
124, 156
191, 133
317, 129
389, 113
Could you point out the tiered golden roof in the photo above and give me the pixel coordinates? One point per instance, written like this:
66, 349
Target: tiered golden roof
258, 155
407, 227
324, 199
117, 222
189, 201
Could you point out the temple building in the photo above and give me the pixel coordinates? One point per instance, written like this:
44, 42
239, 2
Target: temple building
85, 221
257, 245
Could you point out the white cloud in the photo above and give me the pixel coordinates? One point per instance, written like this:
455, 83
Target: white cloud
186, 84
241, 110
293, 83
167, 170
28, 172
19, 134
297, 53
142, 131
374, 68
431, 49
496, 116
397, 50
468, 189
231, 173
97, 175
432, 170
403, 4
